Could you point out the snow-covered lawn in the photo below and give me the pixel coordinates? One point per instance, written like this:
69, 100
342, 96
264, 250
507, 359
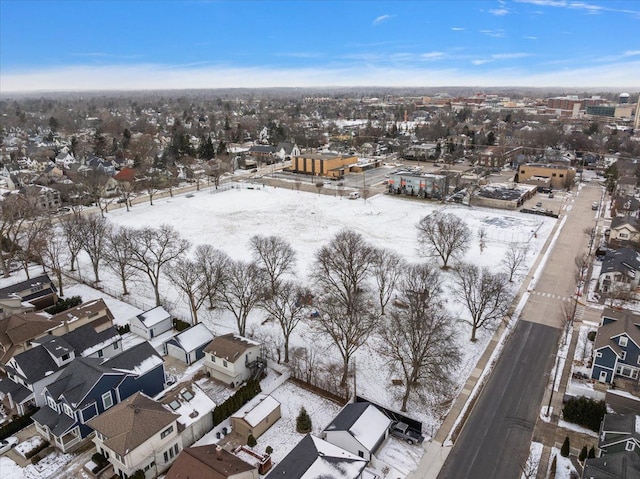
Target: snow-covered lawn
530, 468
308, 221
564, 467
29, 445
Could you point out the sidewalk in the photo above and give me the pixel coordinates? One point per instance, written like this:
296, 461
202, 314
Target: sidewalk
437, 450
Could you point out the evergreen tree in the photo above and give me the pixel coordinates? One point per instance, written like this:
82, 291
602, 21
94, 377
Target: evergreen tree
554, 465
592, 453
564, 451
583, 453
303, 422
251, 441
268, 450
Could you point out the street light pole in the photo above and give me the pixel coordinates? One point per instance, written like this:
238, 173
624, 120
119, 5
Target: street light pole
553, 385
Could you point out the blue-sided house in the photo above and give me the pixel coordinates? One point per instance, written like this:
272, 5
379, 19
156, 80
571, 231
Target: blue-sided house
617, 347
89, 386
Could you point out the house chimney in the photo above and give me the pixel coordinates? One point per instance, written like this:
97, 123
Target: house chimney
218, 453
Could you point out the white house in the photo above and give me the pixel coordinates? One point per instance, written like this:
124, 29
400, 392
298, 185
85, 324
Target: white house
151, 323
188, 346
231, 358
138, 433
359, 428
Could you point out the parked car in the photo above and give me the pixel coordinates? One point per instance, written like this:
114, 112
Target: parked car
539, 204
594, 205
401, 431
8, 443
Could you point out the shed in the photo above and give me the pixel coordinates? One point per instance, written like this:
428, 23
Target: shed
256, 416
151, 323
188, 346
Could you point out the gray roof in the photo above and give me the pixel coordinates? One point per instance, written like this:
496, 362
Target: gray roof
618, 221
26, 285
56, 346
306, 453
85, 337
132, 357
620, 465
262, 149
18, 392
78, 379
348, 416
622, 260
35, 363
618, 428
58, 424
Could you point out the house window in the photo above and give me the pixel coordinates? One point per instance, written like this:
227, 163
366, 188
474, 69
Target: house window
107, 400
67, 410
65, 357
116, 345
630, 446
361, 453
622, 341
52, 403
224, 363
623, 355
623, 235
166, 432
100, 353
213, 358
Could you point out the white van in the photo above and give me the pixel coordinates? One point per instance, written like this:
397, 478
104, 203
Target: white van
354, 195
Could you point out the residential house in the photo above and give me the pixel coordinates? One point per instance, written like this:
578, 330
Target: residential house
42, 197
39, 292
137, 434
625, 205
620, 272
359, 428
255, 417
188, 345
624, 229
312, 457
193, 406
18, 332
64, 160
619, 433
88, 386
263, 153
211, 462
621, 465
101, 165
231, 359
30, 372
151, 323
617, 347
285, 151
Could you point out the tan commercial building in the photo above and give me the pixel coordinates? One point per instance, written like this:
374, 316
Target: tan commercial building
329, 165
546, 175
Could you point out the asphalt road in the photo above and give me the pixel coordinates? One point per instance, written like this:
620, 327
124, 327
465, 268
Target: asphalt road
490, 445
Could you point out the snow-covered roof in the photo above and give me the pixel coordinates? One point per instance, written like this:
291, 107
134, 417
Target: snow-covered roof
187, 400
153, 316
257, 409
370, 426
194, 337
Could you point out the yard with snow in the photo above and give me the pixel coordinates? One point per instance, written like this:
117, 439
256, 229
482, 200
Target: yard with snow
228, 219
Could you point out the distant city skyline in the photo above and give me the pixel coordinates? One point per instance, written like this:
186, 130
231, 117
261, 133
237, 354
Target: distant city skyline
142, 45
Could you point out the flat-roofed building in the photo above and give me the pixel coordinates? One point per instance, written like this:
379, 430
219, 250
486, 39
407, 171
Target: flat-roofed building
329, 165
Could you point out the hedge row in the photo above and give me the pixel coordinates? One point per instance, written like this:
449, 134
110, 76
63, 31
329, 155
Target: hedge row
585, 412
17, 424
64, 304
241, 397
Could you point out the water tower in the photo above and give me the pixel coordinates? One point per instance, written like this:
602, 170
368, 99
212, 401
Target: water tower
624, 98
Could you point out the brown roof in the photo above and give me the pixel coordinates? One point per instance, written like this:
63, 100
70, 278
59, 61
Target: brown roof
19, 328
207, 461
132, 422
126, 174
88, 309
229, 346
626, 322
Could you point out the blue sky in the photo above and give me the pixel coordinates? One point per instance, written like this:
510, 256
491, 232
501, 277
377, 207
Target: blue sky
87, 45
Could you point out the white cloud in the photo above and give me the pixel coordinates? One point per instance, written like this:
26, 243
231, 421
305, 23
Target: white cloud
432, 56
499, 12
381, 19
625, 75
509, 56
494, 33
457, 29
589, 8
631, 53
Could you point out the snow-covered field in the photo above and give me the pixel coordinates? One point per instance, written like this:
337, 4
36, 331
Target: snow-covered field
308, 221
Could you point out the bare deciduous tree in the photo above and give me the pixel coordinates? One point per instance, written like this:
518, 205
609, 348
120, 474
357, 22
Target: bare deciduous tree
420, 339
15, 210
386, 268
31, 240
514, 260
118, 255
212, 265
482, 237
287, 304
71, 231
349, 327
444, 235
94, 231
274, 255
187, 277
485, 295
95, 183
244, 286
153, 248
53, 255
341, 267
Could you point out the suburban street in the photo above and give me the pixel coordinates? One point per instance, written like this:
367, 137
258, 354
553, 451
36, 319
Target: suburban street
495, 440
